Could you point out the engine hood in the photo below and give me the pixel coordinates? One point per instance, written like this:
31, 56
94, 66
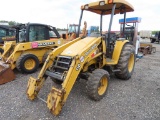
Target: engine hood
75, 48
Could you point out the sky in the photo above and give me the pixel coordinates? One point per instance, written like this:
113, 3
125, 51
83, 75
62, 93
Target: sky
59, 13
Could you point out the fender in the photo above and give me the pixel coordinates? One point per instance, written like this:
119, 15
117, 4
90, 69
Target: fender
117, 51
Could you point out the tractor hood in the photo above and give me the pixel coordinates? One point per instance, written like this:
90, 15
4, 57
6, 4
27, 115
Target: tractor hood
77, 47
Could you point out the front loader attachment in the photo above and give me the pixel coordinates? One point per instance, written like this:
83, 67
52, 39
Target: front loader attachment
6, 74
33, 87
55, 100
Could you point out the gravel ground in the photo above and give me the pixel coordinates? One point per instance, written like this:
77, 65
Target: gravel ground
135, 99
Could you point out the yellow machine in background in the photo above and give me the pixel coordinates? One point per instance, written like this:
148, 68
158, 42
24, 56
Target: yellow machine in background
6, 30
72, 32
90, 58
31, 48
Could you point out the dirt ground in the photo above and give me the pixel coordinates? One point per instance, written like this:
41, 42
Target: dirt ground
134, 99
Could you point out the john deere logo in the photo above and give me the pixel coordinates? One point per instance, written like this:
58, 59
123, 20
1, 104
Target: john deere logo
46, 43
36, 44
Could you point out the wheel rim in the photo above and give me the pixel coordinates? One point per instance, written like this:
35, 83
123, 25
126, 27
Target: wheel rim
103, 84
131, 62
29, 64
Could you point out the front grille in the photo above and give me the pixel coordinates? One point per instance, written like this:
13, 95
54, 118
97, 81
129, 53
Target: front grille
62, 63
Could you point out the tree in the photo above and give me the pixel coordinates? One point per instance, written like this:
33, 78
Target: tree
11, 23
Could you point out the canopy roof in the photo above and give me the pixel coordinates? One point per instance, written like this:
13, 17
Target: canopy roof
105, 6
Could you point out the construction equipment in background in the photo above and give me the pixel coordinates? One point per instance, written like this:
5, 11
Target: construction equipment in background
90, 58
130, 32
92, 30
72, 32
147, 48
155, 38
145, 34
5, 30
31, 48
131, 29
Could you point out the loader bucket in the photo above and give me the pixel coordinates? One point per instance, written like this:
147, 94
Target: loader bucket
6, 74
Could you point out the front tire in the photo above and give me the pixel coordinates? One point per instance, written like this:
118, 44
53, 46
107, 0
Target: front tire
27, 63
97, 84
126, 62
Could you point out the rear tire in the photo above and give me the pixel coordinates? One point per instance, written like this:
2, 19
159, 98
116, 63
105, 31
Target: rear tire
27, 63
97, 84
126, 62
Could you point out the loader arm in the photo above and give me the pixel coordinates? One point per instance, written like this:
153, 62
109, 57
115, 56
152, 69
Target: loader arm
34, 85
7, 48
58, 96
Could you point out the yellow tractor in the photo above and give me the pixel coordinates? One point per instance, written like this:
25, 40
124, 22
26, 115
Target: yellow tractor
90, 58
72, 32
31, 47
